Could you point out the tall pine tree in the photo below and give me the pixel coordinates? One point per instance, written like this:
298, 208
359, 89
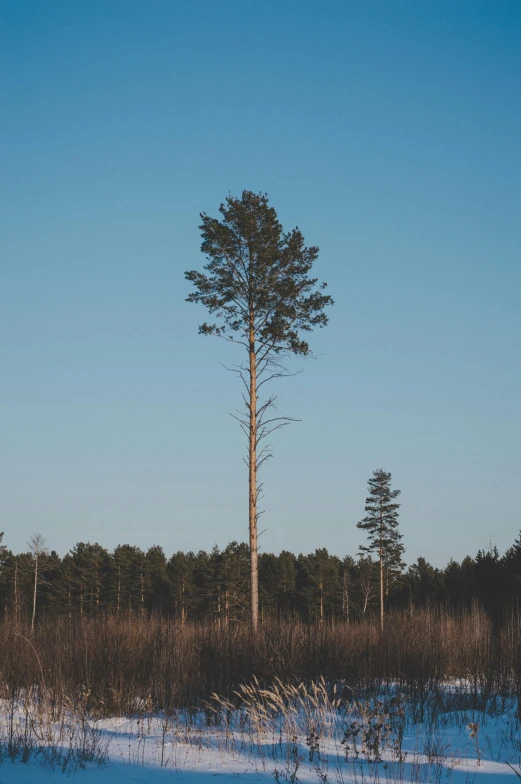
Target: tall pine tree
257, 285
381, 525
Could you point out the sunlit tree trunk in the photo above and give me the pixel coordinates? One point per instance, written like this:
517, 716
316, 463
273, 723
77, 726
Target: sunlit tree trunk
34, 591
254, 564
381, 580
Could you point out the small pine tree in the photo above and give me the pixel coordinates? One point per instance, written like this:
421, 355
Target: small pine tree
381, 524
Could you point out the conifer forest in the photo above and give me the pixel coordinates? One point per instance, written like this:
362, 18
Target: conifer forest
213, 586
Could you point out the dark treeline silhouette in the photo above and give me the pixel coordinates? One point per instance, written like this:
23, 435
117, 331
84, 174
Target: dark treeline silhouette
214, 586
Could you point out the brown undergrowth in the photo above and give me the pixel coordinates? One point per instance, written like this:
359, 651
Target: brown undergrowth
113, 664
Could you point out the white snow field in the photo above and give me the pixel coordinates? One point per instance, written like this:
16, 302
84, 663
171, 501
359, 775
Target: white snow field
283, 734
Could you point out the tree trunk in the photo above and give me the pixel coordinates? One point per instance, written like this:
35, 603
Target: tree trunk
381, 592
182, 603
34, 592
252, 464
381, 568
16, 602
119, 590
345, 596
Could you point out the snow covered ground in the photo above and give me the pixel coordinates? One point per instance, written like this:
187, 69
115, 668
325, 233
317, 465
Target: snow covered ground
314, 739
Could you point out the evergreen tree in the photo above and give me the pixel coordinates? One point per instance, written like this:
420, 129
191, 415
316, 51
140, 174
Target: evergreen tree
287, 583
51, 573
180, 570
158, 596
423, 583
89, 578
63, 586
258, 286
206, 588
458, 583
232, 576
512, 562
269, 578
489, 581
320, 583
381, 525
130, 578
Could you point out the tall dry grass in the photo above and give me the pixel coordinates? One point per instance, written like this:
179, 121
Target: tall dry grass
113, 665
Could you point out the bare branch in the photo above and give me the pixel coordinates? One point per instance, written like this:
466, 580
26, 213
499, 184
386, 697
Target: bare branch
230, 340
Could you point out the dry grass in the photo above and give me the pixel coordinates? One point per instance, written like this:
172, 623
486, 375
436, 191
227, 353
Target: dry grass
289, 731
112, 664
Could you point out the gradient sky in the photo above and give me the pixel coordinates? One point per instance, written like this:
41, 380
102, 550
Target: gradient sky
390, 132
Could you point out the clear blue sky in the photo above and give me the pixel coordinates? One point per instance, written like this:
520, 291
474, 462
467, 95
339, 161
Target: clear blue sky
390, 133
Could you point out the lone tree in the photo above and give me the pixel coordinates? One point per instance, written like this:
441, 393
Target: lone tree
381, 524
38, 551
256, 284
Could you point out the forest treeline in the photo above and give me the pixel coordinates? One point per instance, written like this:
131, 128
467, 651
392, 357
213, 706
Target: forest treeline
91, 581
